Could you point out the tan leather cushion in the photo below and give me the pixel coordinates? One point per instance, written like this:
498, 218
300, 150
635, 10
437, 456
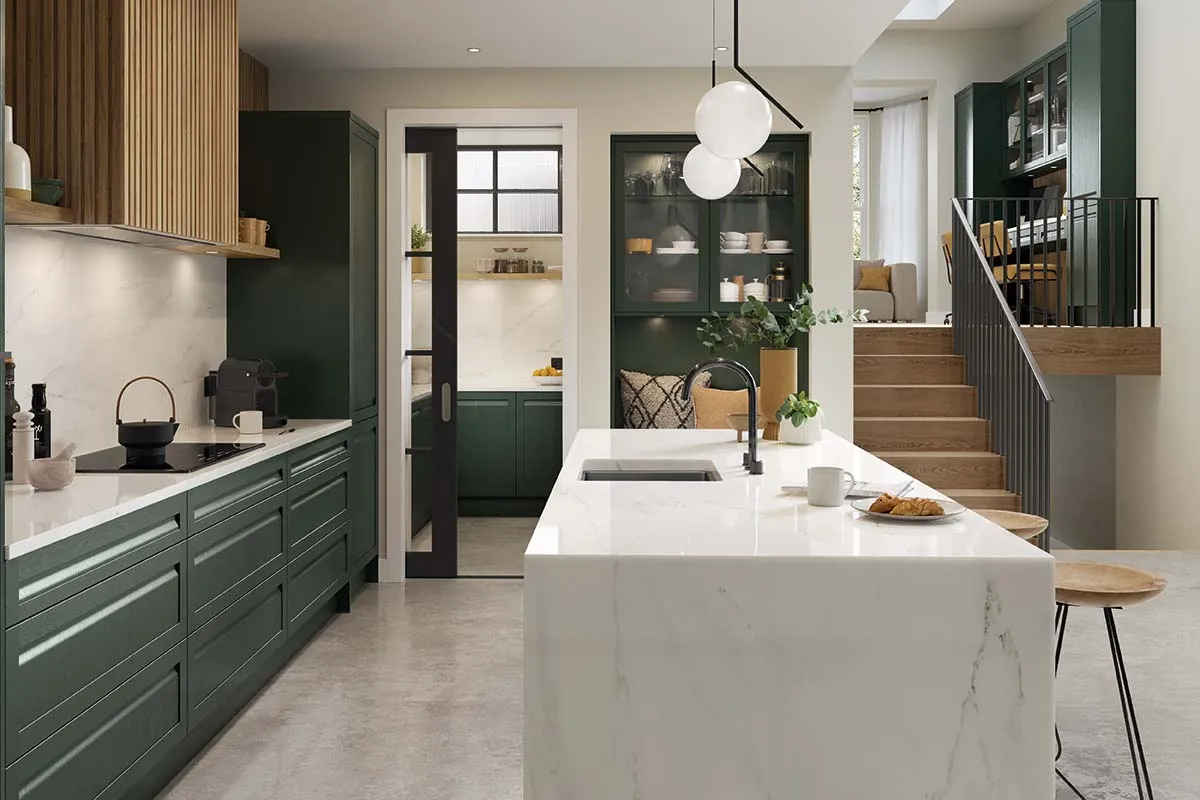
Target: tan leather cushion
875, 279
714, 405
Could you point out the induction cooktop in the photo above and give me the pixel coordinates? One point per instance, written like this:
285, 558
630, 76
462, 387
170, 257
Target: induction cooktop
179, 457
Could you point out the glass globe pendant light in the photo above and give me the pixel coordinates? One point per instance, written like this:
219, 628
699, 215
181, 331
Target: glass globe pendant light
733, 120
709, 176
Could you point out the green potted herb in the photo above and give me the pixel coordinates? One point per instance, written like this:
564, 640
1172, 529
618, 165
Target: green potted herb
420, 240
755, 325
800, 419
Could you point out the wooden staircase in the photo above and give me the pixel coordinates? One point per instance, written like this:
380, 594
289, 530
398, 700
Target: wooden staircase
914, 409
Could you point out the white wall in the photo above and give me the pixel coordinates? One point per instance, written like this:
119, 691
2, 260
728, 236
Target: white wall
632, 101
84, 317
939, 63
1158, 427
1083, 471
1044, 32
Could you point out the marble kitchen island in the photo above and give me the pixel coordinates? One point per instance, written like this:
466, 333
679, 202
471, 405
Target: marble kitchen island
687, 641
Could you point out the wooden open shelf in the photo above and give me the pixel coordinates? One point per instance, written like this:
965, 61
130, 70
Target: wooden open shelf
494, 276
236, 250
27, 212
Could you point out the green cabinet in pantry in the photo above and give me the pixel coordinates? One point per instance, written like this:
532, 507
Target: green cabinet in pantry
509, 451
313, 311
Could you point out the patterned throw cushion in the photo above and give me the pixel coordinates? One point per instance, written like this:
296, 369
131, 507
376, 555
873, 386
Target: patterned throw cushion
656, 401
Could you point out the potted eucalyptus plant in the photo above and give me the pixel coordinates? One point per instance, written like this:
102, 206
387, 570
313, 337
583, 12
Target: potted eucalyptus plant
420, 240
801, 419
755, 325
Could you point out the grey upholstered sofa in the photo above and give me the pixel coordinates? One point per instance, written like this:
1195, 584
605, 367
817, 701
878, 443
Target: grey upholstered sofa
898, 305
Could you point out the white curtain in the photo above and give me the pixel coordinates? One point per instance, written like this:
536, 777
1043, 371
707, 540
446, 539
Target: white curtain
903, 189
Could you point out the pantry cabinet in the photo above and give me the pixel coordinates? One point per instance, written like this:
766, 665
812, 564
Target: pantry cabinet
509, 451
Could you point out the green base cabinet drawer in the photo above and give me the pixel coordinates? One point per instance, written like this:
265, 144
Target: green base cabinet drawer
364, 491
38, 580
222, 653
487, 444
101, 753
316, 575
59, 662
321, 454
232, 557
317, 505
224, 497
540, 454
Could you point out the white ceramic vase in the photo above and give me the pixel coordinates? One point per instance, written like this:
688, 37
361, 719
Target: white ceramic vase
18, 175
808, 432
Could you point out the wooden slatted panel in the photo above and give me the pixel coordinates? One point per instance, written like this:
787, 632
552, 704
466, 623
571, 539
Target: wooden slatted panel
134, 104
254, 84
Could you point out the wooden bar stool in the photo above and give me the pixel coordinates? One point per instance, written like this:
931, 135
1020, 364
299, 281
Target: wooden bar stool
1108, 587
1027, 526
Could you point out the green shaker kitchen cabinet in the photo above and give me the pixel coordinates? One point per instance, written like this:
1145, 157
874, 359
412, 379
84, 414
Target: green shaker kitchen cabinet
364, 490
978, 141
540, 455
487, 443
313, 175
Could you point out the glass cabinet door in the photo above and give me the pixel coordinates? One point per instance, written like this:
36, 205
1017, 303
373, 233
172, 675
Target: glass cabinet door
1035, 115
1057, 109
758, 233
1014, 158
658, 234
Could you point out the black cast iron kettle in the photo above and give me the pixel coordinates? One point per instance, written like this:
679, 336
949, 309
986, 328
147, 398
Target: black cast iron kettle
146, 440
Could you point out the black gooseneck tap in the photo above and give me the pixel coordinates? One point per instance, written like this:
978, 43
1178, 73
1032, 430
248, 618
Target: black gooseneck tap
750, 459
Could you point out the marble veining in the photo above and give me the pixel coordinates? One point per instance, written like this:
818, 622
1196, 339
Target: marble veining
85, 316
724, 639
506, 330
35, 519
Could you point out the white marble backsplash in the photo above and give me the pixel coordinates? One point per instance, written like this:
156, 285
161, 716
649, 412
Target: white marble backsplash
85, 316
506, 330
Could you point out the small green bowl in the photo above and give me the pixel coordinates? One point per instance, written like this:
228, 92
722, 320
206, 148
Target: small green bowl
48, 190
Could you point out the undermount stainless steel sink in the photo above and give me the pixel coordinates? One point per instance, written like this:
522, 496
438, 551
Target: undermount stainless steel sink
647, 469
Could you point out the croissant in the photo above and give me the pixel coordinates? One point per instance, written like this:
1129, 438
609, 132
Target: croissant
917, 507
884, 503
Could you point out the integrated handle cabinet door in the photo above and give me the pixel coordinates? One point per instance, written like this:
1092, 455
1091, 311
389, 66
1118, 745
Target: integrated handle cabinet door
38, 580
487, 444
224, 497
321, 454
62, 660
364, 475
364, 271
316, 574
317, 506
231, 646
103, 752
540, 456
232, 557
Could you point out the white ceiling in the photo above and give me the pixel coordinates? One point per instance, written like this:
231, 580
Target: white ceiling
557, 33
980, 14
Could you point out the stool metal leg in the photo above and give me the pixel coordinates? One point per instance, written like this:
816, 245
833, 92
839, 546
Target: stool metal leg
1060, 627
1132, 732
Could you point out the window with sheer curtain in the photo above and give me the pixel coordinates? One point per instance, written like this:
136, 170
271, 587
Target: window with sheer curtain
860, 183
510, 189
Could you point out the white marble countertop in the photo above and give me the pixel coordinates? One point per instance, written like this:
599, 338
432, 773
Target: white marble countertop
742, 515
36, 519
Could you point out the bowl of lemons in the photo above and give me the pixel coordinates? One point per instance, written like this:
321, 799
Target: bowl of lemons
548, 376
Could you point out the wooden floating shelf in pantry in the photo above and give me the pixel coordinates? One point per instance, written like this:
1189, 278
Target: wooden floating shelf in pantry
27, 212
496, 276
238, 250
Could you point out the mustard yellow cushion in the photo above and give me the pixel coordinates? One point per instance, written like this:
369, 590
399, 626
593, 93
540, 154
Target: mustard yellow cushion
875, 279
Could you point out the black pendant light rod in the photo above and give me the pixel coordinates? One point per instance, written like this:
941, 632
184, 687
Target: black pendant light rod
750, 78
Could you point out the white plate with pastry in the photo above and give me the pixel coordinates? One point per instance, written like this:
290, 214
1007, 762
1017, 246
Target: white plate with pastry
908, 509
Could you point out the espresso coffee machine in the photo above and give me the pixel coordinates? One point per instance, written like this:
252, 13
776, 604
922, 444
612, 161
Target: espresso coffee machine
244, 384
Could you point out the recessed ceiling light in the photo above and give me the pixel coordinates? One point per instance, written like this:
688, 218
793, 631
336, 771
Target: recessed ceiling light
722, 49
473, 50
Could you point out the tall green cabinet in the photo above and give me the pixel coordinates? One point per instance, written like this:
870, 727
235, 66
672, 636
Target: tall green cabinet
314, 176
978, 140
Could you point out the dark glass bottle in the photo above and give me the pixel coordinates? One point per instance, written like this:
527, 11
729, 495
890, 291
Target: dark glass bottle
41, 422
10, 407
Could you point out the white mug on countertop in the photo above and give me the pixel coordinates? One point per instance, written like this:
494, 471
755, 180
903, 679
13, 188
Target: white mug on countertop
248, 422
828, 486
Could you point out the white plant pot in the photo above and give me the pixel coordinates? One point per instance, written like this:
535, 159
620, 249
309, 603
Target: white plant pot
809, 432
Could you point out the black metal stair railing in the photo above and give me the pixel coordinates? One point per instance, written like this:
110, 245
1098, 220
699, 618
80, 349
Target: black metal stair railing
1012, 391
1070, 262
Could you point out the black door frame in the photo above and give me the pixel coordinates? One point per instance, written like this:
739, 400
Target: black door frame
441, 147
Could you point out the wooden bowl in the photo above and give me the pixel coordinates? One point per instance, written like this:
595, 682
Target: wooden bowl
1085, 583
1027, 526
639, 245
48, 475
740, 423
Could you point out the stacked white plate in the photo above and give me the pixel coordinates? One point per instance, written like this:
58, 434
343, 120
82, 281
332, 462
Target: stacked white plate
673, 295
731, 251
671, 251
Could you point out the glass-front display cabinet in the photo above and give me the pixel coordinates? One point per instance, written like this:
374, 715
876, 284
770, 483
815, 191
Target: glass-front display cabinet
1035, 102
674, 254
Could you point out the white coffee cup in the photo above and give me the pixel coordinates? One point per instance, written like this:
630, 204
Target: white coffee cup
684, 244
248, 421
777, 244
828, 486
